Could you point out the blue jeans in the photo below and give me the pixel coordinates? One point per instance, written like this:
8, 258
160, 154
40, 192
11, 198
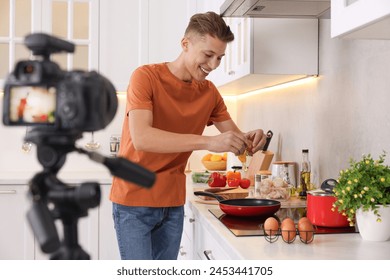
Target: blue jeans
148, 233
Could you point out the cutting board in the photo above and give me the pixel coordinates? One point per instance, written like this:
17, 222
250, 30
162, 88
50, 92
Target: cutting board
227, 193
260, 161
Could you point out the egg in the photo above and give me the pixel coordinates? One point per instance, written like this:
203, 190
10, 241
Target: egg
288, 232
287, 221
271, 226
306, 231
302, 220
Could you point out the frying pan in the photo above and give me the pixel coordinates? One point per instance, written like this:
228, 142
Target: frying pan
244, 207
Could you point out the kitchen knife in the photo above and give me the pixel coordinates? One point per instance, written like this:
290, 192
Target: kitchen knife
269, 137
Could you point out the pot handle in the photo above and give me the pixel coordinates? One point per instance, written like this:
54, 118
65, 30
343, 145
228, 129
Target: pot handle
213, 195
328, 185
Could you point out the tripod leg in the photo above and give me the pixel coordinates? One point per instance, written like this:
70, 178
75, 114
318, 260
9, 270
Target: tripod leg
70, 249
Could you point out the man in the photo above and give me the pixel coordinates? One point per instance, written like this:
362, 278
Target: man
168, 107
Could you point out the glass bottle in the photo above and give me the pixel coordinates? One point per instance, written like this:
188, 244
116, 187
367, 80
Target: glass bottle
305, 173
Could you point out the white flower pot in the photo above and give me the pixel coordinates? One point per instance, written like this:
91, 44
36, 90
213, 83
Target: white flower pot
369, 228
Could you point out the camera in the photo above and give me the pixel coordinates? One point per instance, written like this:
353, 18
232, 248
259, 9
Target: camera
39, 93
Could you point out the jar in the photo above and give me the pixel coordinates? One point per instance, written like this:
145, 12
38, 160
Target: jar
114, 145
259, 176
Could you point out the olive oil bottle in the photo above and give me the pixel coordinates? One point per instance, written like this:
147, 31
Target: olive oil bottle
305, 173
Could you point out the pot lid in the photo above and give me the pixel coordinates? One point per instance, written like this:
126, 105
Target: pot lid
319, 193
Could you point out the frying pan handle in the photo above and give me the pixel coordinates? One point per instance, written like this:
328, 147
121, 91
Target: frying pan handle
269, 137
213, 195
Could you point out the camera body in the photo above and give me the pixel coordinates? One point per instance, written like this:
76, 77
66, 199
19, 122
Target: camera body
39, 93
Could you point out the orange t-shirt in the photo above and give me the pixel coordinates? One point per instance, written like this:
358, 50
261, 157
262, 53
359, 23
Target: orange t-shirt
177, 106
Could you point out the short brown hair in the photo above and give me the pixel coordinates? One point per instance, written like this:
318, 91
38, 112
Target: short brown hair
212, 24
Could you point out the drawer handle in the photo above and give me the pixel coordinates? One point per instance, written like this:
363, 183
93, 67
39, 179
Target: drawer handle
8, 192
208, 254
231, 72
191, 220
182, 253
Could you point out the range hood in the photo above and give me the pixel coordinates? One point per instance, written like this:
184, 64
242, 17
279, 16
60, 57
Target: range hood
276, 8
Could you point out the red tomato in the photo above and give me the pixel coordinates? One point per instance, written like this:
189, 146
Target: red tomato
245, 183
233, 182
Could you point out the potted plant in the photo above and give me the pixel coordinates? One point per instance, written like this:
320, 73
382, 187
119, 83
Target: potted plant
363, 191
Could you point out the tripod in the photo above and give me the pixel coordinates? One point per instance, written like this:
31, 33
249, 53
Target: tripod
52, 199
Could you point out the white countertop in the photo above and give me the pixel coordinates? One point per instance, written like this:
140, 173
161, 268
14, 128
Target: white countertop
348, 246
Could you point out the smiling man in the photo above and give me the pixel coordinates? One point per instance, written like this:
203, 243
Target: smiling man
168, 107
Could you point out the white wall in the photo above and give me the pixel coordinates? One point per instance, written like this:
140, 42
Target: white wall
343, 114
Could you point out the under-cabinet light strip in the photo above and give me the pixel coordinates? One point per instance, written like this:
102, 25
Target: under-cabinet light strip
297, 82
300, 81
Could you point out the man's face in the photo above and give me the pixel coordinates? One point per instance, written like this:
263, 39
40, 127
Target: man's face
203, 54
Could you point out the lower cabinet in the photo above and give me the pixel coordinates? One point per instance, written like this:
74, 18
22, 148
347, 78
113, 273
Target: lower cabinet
206, 246
16, 237
96, 234
186, 251
198, 243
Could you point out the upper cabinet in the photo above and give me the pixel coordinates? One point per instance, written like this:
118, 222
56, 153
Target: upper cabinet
16, 20
137, 32
360, 19
168, 20
268, 52
74, 20
121, 38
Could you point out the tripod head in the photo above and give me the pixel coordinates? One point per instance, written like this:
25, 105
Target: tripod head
68, 203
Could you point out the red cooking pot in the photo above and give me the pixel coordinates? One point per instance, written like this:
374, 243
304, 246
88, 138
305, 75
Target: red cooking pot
319, 209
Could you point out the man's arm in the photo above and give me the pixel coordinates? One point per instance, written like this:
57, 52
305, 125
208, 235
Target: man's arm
147, 138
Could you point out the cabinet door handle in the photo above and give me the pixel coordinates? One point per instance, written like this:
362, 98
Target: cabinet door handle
182, 253
8, 192
191, 220
208, 254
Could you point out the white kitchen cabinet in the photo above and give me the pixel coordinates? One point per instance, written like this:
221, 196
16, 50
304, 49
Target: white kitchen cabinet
268, 52
186, 251
133, 33
122, 35
166, 28
108, 245
360, 19
16, 237
18, 18
206, 246
74, 20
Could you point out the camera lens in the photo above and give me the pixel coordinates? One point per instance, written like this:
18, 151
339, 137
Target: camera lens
28, 69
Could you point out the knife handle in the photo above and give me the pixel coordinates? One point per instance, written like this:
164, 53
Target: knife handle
269, 136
